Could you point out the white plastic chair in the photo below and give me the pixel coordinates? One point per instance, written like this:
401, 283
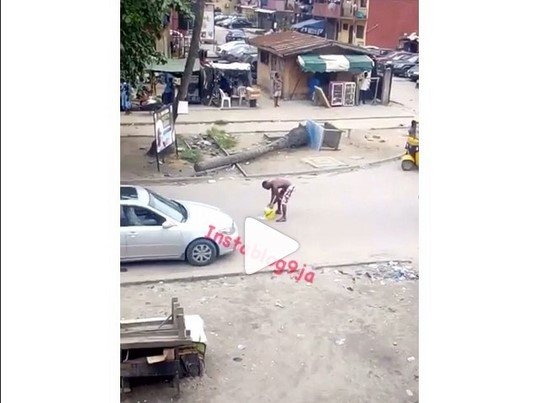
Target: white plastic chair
242, 94
224, 99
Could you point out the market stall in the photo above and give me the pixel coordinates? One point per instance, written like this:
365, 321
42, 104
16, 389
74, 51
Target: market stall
336, 75
234, 79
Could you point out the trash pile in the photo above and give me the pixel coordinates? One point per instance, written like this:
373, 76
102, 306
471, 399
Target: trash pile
393, 270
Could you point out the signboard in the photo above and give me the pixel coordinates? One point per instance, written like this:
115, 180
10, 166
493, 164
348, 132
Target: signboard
165, 134
349, 94
336, 93
208, 24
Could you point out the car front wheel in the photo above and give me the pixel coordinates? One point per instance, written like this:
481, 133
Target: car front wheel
201, 252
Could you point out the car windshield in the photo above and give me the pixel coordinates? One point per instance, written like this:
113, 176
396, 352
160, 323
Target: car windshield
168, 207
413, 59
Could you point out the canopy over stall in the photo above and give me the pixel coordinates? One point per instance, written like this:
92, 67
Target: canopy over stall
231, 66
175, 67
335, 63
312, 27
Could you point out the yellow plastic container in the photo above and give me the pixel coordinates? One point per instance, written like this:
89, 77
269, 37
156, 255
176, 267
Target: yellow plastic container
269, 213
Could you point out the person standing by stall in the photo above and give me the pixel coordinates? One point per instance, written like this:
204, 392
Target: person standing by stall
364, 81
312, 83
276, 88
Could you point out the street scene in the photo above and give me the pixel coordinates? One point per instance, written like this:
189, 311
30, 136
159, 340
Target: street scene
287, 128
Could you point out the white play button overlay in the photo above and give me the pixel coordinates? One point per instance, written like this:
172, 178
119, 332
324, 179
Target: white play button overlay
264, 245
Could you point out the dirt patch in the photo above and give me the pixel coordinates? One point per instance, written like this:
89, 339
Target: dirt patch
344, 338
136, 165
356, 147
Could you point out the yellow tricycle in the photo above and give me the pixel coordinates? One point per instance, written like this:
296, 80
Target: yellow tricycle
410, 160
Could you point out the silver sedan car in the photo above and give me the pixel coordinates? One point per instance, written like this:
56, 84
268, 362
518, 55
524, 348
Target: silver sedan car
154, 227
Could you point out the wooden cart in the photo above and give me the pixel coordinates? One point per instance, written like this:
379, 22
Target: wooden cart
171, 347
253, 94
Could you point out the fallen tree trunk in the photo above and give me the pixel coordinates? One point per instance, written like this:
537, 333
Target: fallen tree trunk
297, 137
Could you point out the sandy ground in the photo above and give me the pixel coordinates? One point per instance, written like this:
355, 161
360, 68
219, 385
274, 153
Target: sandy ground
356, 147
342, 338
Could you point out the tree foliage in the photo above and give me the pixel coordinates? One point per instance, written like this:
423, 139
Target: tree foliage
142, 23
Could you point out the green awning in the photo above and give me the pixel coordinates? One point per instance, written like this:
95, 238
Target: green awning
334, 63
174, 66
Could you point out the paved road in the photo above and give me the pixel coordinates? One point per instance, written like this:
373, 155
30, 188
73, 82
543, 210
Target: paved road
359, 216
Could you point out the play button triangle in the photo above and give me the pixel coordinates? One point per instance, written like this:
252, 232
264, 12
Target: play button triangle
264, 245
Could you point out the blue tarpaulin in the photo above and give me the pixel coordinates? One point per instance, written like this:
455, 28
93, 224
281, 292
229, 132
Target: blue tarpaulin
312, 27
315, 134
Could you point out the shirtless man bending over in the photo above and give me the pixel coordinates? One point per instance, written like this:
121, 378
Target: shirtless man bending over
281, 190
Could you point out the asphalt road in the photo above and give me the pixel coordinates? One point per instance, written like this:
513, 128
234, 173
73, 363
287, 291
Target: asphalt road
366, 215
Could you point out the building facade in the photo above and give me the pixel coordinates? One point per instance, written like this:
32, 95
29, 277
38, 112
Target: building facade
368, 22
389, 20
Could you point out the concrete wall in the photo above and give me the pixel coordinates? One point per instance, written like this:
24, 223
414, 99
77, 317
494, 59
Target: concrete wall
388, 20
343, 34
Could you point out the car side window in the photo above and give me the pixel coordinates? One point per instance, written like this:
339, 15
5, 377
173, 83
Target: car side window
139, 216
124, 219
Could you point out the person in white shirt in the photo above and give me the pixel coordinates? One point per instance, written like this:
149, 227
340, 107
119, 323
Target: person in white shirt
365, 86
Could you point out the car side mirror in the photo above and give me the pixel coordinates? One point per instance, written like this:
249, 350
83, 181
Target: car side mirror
168, 224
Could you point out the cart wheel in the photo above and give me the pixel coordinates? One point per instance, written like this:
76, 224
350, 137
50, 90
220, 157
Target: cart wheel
194, 365
407, 165
201, 366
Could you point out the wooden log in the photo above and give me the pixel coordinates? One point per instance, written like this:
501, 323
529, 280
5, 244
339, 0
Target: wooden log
297, 137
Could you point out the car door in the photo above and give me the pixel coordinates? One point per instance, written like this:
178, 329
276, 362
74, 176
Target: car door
146, 238
123, 233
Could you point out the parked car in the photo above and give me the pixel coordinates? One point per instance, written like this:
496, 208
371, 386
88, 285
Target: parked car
385, 52
241, 53
220, 17
154, 227
395, 56
235, 35
239, 23
413, 73
400, 67
222, 21
230, 18
227, 47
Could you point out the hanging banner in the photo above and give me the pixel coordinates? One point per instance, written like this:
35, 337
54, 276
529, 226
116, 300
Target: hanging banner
208, 24
165, 134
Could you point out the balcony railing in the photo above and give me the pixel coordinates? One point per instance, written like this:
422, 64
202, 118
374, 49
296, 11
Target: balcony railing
327, 10
351, 10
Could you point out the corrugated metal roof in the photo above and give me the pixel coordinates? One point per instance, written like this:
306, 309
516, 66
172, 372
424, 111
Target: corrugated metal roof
289, 43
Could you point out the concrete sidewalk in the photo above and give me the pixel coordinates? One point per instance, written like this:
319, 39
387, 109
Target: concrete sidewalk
289, 111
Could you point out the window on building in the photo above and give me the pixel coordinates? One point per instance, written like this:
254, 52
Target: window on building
265, 58
345, 27
362, 3
360, 34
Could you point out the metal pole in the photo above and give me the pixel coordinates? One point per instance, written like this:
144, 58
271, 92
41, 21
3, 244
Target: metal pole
156, 142
174, 130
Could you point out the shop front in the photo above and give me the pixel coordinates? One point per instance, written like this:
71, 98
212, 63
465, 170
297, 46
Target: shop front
337, 77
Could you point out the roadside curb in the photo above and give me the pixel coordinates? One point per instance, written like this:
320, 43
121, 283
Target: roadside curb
264, 271
226, 122
242, 132
193, 179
